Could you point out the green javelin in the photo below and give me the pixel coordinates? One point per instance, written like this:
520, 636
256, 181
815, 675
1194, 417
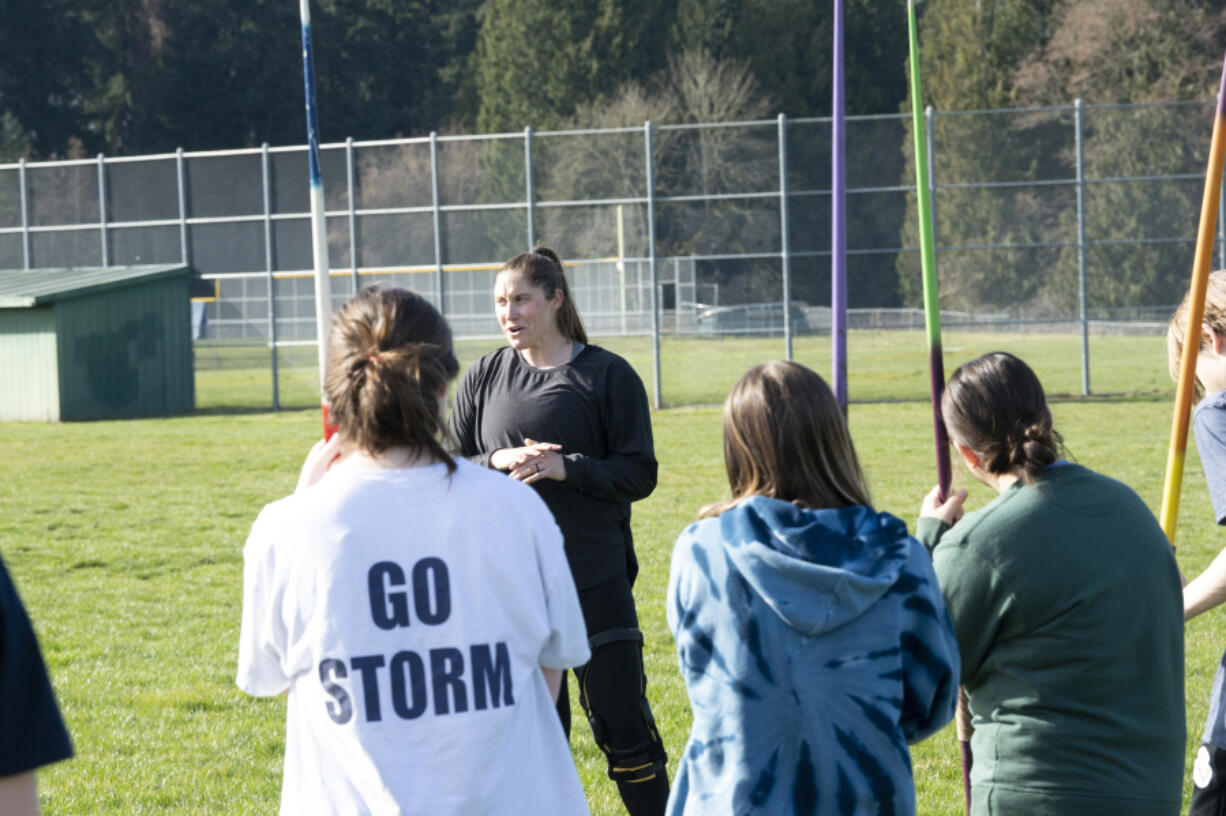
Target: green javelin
932, 321
932, 306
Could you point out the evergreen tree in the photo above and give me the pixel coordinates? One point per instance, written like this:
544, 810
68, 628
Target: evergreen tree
390, 68
1112, 51
713, 26
788, 44
45, 51
536, 61
969, 51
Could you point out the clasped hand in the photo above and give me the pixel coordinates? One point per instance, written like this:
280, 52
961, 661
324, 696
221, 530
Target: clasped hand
949, 511
532, 462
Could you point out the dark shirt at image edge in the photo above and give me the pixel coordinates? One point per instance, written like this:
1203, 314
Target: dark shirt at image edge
32, 733
595, 407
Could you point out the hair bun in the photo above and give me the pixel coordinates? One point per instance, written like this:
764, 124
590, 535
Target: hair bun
1038, 449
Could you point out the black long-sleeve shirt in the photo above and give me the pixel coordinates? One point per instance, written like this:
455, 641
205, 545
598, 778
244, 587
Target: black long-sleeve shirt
595, 407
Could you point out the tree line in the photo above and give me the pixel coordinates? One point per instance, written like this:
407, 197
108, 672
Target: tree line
79, 77
137, 76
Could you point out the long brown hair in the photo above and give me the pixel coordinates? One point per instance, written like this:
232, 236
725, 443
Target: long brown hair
1215, 318
995, 405
389, 361
543, 270
785, 437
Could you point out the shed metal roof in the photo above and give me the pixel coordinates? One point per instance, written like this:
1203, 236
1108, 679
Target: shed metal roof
25, 288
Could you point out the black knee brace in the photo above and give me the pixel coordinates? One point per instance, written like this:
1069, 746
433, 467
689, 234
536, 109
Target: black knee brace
639, 762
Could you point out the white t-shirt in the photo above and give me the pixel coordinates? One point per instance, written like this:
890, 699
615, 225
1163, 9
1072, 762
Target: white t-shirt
408, 614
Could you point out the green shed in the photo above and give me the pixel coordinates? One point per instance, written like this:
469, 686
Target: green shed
96, 343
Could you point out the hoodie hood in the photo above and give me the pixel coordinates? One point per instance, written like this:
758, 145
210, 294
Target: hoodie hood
817, 569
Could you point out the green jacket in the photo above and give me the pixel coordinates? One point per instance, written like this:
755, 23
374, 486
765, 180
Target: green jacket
1066, 602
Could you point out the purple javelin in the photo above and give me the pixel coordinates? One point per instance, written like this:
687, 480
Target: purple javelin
838, 223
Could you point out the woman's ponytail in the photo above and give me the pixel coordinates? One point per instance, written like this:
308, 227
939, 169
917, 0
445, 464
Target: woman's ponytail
995, 405
390, 361
1034, 448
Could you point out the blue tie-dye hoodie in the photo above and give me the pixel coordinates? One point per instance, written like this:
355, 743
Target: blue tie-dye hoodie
815, 646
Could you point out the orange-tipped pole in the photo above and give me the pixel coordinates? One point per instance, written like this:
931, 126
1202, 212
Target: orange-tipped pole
1196, 315
329, 428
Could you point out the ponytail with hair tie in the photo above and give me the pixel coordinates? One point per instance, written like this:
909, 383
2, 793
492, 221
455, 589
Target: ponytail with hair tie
389, 358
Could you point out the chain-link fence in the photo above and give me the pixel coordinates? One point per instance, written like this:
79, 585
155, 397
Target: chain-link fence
1076, 220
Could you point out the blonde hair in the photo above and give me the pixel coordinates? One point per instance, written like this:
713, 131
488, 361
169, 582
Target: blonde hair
1215, 319
785, 438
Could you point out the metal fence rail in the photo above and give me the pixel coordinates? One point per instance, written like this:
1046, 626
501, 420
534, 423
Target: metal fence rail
704, 229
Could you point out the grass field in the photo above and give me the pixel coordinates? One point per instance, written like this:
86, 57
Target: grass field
882, 365
125, 540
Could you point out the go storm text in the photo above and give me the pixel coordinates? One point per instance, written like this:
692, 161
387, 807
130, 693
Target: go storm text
446, 677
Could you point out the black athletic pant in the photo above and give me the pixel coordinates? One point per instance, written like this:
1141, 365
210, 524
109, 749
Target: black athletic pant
1209, 782
613, 686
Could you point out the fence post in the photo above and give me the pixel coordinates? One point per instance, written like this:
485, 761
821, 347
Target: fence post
269, 264
26, 253
181, 180
529, 191
106, 253
783, 237
621, 262
1081, 250
438, 221
651, 264
353, 238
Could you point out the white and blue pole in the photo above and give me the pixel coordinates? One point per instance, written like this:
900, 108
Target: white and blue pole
319, 228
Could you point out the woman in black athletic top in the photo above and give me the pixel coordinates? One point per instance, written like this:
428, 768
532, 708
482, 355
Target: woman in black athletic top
572, 420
